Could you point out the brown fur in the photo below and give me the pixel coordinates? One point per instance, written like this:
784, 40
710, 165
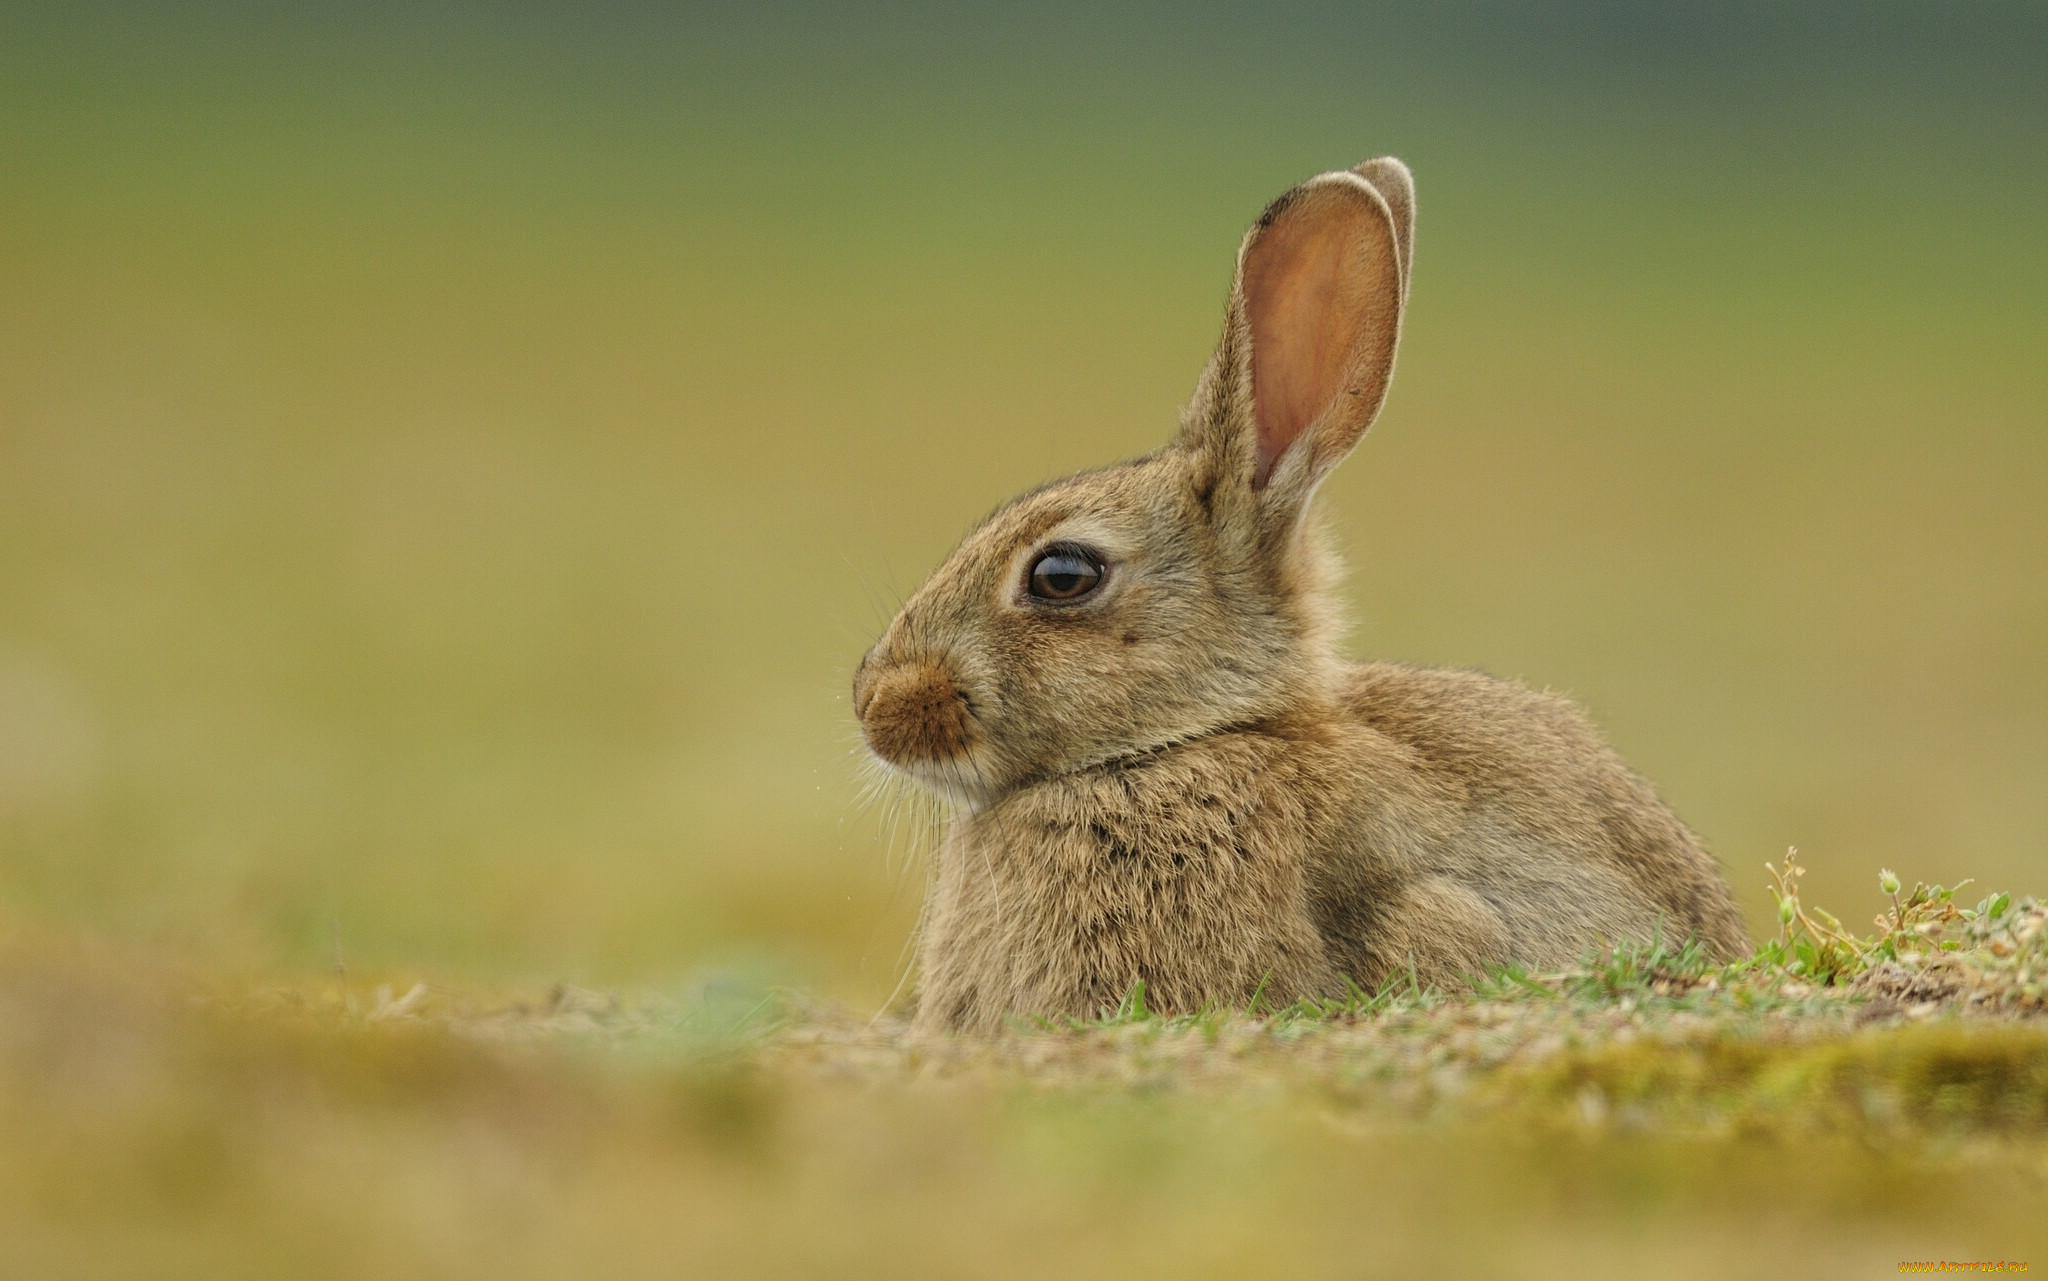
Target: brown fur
1176, 779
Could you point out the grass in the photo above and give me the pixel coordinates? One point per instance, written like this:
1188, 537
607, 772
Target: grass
1844, 1106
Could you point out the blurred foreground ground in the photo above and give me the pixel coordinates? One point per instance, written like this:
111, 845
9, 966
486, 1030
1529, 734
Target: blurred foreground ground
173, 1127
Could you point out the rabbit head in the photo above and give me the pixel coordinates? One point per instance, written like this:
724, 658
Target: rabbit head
1118, 611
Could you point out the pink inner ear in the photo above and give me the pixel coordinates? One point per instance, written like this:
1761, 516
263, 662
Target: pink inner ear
1309, 283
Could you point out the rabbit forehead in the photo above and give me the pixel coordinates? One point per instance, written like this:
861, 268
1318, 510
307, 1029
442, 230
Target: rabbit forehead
1109, 510
1103, 532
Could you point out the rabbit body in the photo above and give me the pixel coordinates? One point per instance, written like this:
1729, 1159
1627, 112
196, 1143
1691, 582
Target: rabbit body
1127, 682
1432, 822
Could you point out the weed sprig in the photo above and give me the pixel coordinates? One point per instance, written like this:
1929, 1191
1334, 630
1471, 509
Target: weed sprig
1996, 947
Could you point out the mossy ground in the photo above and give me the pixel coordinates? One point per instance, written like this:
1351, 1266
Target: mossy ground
1643, 1115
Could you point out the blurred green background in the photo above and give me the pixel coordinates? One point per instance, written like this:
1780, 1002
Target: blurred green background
451, 457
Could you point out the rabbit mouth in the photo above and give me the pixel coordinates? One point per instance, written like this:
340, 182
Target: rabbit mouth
916, 717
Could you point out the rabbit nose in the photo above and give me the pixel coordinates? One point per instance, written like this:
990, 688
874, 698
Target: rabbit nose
913, 712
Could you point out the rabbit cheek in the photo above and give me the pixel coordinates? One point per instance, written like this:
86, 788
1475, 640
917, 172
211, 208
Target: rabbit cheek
915, 714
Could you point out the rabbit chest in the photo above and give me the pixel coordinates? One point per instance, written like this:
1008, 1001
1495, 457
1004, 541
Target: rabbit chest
1184, 868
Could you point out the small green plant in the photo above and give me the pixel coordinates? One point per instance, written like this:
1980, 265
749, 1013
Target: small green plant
1920, 922
1132, 1008
1812, 944
1998, 949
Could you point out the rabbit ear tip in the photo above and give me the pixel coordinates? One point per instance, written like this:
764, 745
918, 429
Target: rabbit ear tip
1388, 176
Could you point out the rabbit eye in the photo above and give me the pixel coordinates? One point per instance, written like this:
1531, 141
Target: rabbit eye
1064, 574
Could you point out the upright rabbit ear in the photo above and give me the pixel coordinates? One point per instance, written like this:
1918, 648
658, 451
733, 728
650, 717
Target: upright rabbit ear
1315, 315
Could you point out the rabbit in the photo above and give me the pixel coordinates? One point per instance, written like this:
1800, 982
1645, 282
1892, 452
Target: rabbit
1127, 685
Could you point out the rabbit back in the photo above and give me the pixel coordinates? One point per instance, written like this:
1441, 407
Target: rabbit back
1493, 823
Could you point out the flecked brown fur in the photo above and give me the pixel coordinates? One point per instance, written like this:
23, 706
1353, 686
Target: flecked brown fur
1174, 778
